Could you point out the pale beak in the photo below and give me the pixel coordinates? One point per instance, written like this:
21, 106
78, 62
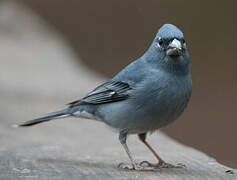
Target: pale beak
174, 48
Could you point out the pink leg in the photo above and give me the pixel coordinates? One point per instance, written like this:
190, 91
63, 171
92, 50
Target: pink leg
134, 166
161, 163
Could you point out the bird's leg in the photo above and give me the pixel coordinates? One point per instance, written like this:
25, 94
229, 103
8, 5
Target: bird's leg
161, 163
122, 139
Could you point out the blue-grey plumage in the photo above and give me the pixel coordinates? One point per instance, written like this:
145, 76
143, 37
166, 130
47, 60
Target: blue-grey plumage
161, 87
148, 94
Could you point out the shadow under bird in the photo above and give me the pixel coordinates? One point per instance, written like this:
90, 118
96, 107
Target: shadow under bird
148, 94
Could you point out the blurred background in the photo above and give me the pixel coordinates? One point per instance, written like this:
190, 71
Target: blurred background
107, 35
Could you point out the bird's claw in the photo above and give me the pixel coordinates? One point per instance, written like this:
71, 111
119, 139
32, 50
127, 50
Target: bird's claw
136, 167
125, 166
145, 164
161, 164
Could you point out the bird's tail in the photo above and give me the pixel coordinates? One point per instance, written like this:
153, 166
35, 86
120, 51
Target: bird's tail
59, 114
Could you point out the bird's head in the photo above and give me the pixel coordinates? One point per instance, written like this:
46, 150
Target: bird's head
170, 41
169, 47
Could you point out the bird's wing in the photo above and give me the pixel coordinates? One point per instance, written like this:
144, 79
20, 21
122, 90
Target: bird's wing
111, 91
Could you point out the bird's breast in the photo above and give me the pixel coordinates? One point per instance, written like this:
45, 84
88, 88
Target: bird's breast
166, 102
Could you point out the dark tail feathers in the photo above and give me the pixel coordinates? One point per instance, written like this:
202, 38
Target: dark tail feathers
59, 114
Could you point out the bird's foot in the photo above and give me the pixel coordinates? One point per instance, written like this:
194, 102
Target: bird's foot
136, 167
161, 164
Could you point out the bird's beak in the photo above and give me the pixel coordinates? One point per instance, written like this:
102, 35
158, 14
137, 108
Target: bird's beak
174, 48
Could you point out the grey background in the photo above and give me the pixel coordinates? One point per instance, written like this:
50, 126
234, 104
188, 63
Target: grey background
108, 34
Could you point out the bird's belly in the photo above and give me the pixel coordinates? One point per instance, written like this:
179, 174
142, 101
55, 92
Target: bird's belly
147, 116
157, 117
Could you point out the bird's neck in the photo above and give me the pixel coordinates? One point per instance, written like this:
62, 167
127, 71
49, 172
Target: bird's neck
178, 66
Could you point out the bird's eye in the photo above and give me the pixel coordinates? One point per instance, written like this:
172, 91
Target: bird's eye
160, 41
183, 41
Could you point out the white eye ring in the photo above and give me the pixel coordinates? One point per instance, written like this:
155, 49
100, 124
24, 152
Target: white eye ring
158, 45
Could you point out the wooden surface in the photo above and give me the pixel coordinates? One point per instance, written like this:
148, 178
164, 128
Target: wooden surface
37, 76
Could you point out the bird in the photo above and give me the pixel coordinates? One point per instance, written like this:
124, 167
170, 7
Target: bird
148, 94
